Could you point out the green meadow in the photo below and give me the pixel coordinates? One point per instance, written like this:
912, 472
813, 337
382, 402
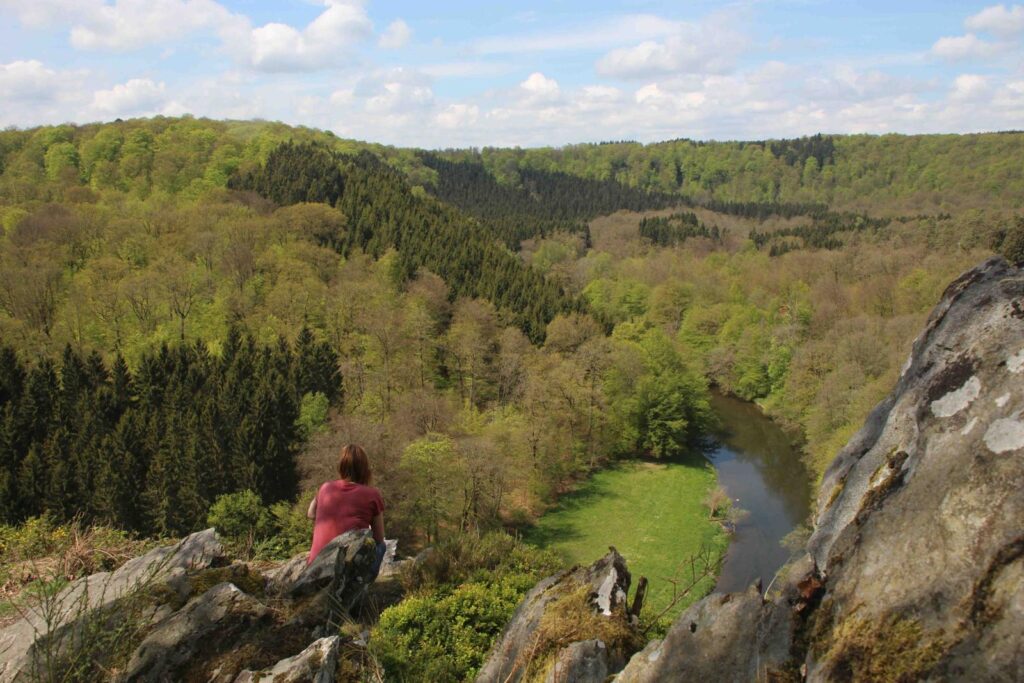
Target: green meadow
654, 515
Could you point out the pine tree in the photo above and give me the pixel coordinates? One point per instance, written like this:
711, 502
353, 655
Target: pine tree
33, 484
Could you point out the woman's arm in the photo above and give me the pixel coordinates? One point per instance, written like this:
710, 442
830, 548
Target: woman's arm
377, 525
311, 512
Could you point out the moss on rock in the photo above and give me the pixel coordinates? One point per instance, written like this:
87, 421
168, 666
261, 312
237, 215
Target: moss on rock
573, 617
240, 574
893, 649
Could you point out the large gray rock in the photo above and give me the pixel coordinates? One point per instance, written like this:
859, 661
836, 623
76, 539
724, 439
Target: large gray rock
285, 576
338, 579
915, 569
316, 664
347, 560
919, 525
57, 618
585, 661
731, 637
608, 581
173, 645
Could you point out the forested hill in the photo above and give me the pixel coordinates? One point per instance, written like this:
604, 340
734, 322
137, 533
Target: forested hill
539, 204
892, 174
382, 212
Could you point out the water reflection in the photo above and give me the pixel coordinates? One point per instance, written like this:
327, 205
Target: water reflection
763, 474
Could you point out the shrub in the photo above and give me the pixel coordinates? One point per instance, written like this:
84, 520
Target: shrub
72, 550
468, 557
445, 636
572, 617
463, 595
254, 530
241, 519
292, 530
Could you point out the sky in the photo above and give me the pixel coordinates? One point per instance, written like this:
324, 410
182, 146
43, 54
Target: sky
457, 74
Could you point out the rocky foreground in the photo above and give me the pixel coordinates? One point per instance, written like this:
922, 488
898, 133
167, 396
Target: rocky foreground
915, 569
206, 618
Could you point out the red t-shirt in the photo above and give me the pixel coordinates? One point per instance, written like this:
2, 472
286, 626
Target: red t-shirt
342, 506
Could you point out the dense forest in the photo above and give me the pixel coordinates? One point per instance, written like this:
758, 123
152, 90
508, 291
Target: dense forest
195, 315
540, 204
888, 174
432, 322
125, 237
382, 212
150, 450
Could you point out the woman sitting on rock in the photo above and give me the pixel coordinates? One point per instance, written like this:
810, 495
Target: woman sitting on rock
348, 503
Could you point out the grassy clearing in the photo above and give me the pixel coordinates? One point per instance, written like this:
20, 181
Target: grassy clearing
653, 513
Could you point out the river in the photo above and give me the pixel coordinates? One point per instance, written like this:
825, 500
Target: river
762, 472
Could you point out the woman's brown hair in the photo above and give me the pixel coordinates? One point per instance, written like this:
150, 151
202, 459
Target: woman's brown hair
353, 465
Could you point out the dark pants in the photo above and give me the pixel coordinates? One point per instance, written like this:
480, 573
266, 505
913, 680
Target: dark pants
382, 548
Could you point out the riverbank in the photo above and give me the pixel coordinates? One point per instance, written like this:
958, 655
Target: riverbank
653, 512
765, 476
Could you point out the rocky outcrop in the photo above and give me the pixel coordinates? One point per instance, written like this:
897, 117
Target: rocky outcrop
55, 620
200, 617
346, 559
915, 569
704, 642
316, 664
176, 641
600, 589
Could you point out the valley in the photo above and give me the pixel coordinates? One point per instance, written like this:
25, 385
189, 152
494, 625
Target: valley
196, 315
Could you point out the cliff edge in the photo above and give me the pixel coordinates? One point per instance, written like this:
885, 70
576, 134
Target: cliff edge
915, 568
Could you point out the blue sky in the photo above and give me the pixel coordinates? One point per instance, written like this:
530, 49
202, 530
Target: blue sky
471, 73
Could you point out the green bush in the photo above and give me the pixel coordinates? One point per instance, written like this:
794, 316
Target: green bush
240, 518
462, 597
445, 635
251, 528
293, 531
473, 558
36, 537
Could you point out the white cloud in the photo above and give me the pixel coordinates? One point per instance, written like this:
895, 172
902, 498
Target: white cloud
399, 98
998, 20
458, 116
396, 35
28, 80
970, 87
124, 24
601, 93
539, 87
1010, 97
136, 96
132, 24
845, 83
710, 47
327, 40
466, 69
342, 97
969, 46
35, 94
